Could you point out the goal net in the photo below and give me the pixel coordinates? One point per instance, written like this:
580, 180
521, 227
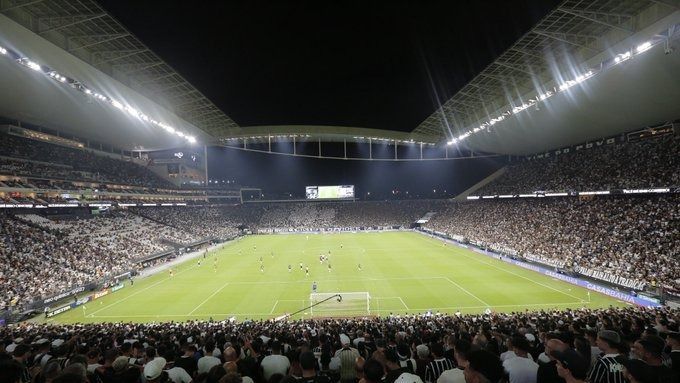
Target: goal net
340, 304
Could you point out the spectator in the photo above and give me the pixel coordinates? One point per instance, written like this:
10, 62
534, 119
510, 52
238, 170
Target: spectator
609, 367
571, 366
275, 363
521, 368
483, 367
438, 365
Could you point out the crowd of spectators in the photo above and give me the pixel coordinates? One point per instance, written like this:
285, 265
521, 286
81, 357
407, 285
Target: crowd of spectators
597, 346
627, 165
221, 222
27, 157
40, 257
323, 215
630, 241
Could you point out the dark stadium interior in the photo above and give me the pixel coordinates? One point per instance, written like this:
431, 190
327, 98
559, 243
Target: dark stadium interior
497, 184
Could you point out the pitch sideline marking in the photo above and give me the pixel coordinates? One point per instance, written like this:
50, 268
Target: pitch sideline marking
138, 292
208, 298
518, 275
466, 291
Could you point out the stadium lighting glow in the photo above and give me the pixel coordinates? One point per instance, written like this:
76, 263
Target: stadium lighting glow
77, 85
30, 64
619, 58
643, 47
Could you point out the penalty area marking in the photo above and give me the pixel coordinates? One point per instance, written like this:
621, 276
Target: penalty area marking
394, 298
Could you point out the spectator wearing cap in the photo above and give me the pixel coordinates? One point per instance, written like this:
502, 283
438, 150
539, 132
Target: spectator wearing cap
571, 366
520, 368
405, 359
608, 368
21, 354
309, 365
483, 367
649, 349
348, 357
275, 363
422, 359
153, 370
547, 372
392, 367
205, 363
461, 349
43, 352
438, 365
673, 341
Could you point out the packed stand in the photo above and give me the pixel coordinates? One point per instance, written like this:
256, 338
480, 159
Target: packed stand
49, 256
652, 163
597, 346
323, 215
34, 158
632, 242
203, 222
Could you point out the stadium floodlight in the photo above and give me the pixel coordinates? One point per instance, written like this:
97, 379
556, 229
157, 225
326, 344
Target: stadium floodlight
622, 57
643, 47
25, 61
30, 64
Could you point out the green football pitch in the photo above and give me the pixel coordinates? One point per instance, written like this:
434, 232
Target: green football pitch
402, 272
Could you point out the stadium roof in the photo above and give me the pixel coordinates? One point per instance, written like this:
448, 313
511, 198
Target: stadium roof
84, 29
574, 39
504, 109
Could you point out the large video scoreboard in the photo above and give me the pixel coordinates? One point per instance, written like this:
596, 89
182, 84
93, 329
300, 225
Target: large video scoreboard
329, 192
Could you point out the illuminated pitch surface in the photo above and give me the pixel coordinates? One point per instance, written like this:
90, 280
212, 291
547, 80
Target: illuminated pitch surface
404, 272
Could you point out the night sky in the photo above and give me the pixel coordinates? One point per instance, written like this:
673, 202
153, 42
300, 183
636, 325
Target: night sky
383, 65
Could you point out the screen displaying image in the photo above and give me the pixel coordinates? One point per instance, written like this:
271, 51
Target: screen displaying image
329, 192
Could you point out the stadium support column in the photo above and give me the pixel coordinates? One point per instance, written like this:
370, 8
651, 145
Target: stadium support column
370, 148
421, 150
344, 141
395, 149
205, 163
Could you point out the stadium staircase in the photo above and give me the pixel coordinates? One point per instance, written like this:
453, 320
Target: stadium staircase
462, 196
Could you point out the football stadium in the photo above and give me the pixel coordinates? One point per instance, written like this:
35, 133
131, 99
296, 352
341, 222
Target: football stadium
322, 192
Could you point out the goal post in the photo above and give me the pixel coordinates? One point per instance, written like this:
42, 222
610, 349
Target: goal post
340, 303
